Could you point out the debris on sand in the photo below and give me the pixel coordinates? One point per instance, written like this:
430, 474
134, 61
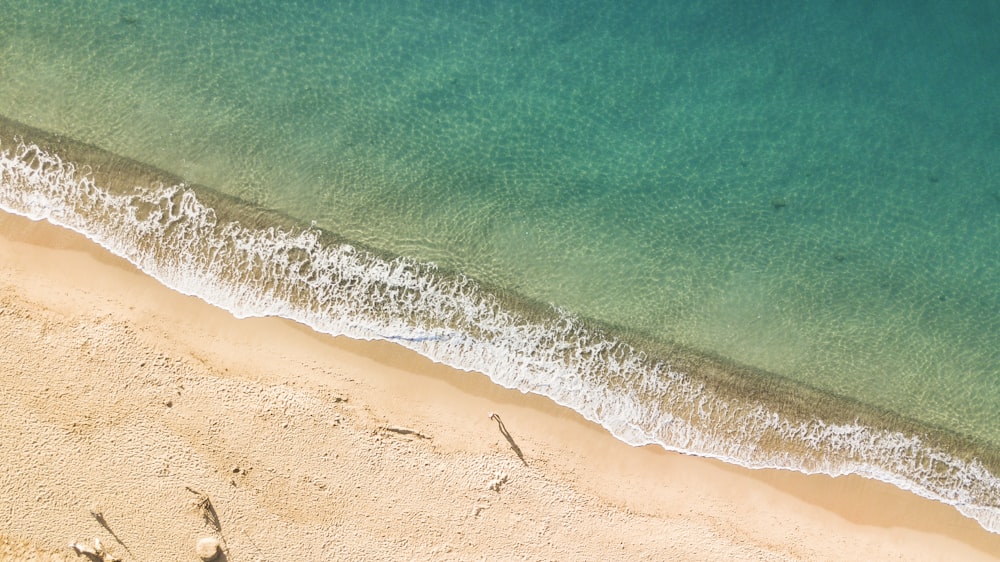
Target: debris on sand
207, 549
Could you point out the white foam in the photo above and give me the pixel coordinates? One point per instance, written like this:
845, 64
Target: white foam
337, 289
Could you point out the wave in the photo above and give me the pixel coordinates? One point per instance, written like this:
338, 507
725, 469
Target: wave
253, 262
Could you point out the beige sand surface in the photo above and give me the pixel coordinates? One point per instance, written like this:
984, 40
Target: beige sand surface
119, 397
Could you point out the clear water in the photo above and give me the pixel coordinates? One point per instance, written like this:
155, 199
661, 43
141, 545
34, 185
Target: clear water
681, 219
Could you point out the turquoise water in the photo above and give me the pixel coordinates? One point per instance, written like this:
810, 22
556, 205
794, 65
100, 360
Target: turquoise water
681, 219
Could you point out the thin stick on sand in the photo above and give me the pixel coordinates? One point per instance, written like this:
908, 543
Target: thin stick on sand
506, 434
211, 517
99, 516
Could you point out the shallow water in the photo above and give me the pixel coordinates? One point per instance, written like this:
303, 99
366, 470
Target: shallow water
809, 195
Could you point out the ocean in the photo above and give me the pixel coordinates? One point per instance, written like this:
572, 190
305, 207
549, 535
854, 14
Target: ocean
768, 234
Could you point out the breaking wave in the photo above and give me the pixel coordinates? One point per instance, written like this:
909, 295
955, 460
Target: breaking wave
256, 263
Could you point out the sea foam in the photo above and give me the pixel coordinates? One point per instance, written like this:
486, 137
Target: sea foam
674, 399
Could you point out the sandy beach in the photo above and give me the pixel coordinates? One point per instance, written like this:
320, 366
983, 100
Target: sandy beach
149, 420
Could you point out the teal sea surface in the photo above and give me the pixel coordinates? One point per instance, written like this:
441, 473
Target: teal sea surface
768, 234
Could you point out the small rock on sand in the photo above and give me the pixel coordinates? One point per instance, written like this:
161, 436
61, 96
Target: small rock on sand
207, 548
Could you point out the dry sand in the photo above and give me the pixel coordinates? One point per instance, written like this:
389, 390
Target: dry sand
124, 404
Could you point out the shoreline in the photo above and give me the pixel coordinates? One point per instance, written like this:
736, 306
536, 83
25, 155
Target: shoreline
822, 433
579, 493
